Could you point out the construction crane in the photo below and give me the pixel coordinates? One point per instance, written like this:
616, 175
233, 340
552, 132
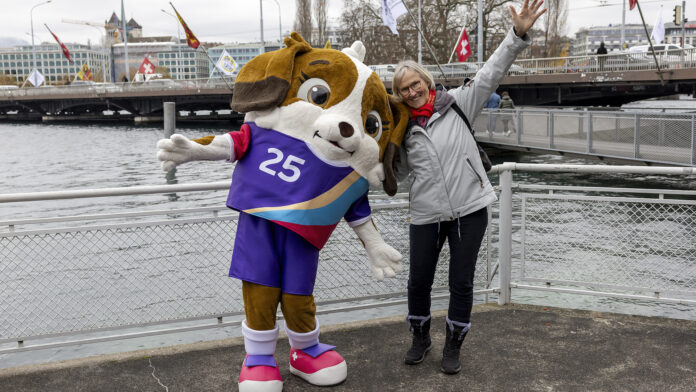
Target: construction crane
98, 26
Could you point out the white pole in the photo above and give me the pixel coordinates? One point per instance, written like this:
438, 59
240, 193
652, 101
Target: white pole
31, 20
479, 41
125, 40
420, 54
280, 25
623, 28
263, 48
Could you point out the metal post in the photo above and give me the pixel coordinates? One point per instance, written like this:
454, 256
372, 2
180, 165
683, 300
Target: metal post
263, 48
280, 25
518, 125
479, 39
588, 129
420, 48
549, 126
693, 136
178, 43
169, 119
623, 26
505, 232
31, 20
683, 23
636, 124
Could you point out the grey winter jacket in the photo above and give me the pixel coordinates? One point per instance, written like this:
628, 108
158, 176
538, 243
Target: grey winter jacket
448, 180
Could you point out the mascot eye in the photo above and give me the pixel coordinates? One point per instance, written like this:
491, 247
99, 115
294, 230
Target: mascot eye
373, 125
315, 91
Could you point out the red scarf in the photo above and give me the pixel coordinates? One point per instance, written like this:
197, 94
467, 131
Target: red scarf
423, 113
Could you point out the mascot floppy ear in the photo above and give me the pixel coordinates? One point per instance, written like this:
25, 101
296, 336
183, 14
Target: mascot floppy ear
391, 152
263, 82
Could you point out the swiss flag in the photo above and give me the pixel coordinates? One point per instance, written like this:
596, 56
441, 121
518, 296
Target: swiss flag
463, 48
146, 67
631, 4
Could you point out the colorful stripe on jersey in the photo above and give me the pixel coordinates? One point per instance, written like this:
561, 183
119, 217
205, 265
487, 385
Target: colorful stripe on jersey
280, 179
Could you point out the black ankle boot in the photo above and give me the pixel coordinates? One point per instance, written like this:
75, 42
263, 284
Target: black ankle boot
455, 335
421, 343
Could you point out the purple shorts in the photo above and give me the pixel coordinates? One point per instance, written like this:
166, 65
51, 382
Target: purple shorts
268, 254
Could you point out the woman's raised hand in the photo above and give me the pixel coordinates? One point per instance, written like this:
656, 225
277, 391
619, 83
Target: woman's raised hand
524, 20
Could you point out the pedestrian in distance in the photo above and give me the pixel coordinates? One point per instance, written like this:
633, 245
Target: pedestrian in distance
506, 104
450, 191
492, 105
601, 55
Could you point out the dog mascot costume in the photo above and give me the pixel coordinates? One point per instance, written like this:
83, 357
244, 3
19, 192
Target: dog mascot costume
317, 125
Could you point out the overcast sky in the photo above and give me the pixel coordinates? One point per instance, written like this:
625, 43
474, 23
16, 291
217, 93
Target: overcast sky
239, 21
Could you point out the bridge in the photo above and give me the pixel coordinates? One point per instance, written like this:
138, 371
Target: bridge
581, 80
642, 137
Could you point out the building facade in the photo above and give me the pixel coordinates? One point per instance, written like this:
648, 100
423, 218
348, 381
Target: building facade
176, 59
241, 53
588, 40
18, 62
673, 34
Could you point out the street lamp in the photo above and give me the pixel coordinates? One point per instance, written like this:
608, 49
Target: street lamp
280, 25
178, 43
31, 19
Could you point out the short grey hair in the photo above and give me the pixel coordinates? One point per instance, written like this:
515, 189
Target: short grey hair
415, 67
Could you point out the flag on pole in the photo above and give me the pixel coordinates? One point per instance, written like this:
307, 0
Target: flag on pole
191, 39
391, 10
658, 31
35, 78
226, 63
85, 73
463, 47
146, 67
632, 4
65, 50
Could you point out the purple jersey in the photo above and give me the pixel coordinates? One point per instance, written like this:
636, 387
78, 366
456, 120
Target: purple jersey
280, 178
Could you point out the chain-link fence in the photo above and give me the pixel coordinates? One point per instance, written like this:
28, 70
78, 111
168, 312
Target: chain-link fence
109, 276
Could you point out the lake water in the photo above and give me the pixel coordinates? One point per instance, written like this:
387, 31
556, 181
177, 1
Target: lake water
47, 157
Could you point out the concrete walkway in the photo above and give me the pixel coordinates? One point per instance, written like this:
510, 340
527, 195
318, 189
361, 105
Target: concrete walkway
510, 348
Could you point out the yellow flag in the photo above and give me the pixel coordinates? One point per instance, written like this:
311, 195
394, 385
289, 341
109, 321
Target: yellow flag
85, 73
328, 44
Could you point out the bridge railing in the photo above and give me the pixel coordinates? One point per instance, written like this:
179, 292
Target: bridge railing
138, 273
667, 138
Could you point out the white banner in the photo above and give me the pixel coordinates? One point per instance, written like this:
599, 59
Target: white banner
658, 32
35, 78
226, 63
391, 10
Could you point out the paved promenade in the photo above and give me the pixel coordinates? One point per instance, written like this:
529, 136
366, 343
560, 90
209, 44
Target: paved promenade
510, 348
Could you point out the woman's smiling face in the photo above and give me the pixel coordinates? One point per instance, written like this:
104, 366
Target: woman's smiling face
413, 89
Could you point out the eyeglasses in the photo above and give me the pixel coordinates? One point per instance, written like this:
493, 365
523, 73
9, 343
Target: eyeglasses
415, 86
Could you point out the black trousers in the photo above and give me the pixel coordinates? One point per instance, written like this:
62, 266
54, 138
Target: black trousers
464, 236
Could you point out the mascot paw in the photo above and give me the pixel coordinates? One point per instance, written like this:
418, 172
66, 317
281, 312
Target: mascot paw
174, 151
384, 261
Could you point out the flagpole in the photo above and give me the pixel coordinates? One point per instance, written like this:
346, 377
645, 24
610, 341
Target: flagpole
426, 43
213, 62
125, 40
652, 50
456, 44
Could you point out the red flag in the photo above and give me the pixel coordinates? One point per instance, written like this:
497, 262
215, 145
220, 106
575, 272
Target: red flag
65, 50
146, 67
632, 4
463, 49
191, 39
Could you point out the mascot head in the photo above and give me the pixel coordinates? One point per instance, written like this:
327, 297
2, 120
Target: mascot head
330, 100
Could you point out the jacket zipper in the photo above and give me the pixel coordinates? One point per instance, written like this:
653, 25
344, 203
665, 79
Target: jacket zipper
442, 174
474, 170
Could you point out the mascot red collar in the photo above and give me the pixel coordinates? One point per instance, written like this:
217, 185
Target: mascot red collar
318, 124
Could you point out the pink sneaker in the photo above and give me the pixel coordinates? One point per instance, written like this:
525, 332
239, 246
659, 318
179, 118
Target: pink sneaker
318, 365
260, 374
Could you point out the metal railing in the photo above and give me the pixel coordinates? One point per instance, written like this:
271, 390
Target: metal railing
63, 277
646, 136
625, 61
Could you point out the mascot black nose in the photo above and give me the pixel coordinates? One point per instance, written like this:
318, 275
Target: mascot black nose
346, 129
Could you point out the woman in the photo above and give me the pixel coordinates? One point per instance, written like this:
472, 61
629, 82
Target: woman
449, 187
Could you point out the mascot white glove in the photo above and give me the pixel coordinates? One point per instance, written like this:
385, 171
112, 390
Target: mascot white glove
179, 149
384, 260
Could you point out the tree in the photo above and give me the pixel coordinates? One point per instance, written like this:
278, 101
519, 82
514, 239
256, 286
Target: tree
441, 24
320, 15
303, 19
6, 79
554, 25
